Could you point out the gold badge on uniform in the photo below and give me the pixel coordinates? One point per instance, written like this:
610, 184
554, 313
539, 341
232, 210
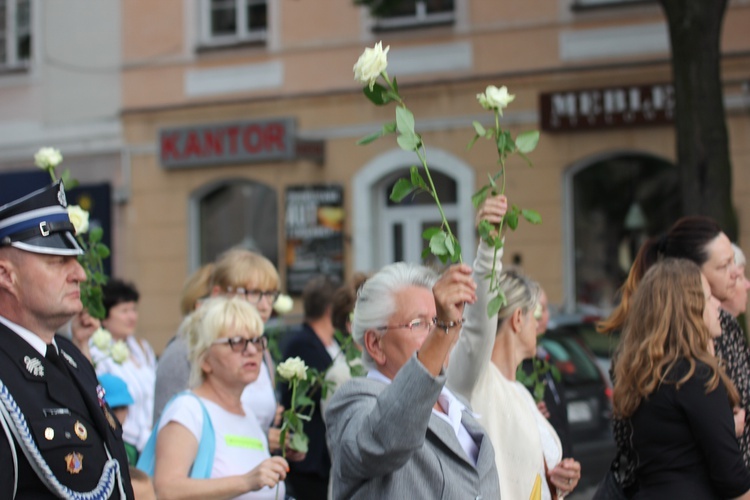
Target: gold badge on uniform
74, 462
80, 430
110, 418
49, 433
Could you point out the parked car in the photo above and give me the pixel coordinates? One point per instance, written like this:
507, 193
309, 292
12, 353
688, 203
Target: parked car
587, 387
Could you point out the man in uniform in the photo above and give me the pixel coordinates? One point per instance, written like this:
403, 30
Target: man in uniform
57, 435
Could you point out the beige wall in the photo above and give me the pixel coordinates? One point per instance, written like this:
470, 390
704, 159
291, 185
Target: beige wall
318, 42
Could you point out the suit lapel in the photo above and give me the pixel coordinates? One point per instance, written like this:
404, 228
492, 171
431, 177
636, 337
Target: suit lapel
35, 368
477, 433
444, 432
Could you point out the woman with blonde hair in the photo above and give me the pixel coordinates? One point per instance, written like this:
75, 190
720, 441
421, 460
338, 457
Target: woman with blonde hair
482, 368
208, 443
241, 273
670, 388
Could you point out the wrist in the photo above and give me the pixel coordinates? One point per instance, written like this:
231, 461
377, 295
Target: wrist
446, 325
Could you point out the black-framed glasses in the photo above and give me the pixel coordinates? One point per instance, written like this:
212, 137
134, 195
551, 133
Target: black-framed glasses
239, 344
415, 325
255, 296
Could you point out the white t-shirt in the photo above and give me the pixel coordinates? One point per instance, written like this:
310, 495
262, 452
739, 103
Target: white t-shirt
139, 373
240, 442
259, 396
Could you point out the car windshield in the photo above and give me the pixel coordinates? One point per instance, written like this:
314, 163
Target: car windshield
570, 358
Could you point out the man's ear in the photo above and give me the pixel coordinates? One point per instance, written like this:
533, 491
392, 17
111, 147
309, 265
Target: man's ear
516, 320
7, 273
374, 347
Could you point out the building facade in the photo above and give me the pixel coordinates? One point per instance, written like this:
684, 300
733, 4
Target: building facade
239, 121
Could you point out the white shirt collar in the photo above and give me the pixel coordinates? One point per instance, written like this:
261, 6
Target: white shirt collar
31, 338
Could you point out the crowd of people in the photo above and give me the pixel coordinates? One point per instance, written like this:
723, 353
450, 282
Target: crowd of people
427, 405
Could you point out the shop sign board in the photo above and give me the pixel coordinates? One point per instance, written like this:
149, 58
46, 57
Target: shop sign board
602, 108
228, 143
314, 234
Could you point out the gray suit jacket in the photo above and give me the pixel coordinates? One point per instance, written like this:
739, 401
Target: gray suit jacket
386, 443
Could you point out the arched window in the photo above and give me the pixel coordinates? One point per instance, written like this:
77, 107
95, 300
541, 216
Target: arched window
402, 224
385, 231
615, 203
231, 213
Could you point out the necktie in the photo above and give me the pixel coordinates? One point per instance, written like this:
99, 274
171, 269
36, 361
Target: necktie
54, 358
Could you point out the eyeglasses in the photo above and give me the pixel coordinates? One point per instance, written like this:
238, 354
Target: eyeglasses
239, 344
255, 296
417, 325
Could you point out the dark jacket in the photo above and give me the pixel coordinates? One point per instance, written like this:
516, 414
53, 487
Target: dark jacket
64, 416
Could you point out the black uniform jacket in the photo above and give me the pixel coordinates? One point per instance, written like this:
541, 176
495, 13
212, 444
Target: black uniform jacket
64, 415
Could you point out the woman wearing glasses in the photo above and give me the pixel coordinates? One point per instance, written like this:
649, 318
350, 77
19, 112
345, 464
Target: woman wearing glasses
249, 276
208, 442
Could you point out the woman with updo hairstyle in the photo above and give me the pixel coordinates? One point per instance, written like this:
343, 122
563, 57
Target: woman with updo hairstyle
208, 443
482, 368
700, 240
670, 388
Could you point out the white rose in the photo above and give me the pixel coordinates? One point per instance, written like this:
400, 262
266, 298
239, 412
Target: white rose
495, 98
283, 304
293, 368
119, 352
102, 339
79, 218
47, 158
370, 64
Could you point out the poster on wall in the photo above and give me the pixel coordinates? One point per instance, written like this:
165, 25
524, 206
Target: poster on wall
314, 234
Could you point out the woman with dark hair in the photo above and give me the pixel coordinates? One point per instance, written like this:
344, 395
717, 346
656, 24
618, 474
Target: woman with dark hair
700, 240
139, 369
670, 388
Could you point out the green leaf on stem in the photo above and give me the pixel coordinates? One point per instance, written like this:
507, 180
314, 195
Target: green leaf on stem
408, 142
370, 138
531, 215
299, 443
376, 95
389, 128
401, 190
426, 253
479, 197
102, 251
449, 246
494, 306
95, 235
437, 244
511, 218
430, 232
456, 250
395, 84
472, 142
416, 178
404, 121
480, 130
527, 141
485, 229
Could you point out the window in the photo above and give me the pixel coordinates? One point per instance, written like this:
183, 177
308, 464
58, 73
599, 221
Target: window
15, 33
403, 223
411, 13
237, 213
227, 22
618, 202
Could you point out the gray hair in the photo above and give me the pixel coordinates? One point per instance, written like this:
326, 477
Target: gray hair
376, 302
520, 292
739, 256
214, 318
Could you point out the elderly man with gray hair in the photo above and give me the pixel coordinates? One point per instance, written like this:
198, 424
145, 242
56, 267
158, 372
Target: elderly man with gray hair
399, 433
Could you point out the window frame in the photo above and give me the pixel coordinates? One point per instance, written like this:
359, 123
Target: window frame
242, 34
12, 32
419, 20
